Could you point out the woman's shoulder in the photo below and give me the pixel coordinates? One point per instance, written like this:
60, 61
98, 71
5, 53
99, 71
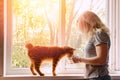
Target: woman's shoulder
101, 37
101, 33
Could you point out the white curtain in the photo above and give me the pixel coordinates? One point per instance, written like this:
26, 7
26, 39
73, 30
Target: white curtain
114, 24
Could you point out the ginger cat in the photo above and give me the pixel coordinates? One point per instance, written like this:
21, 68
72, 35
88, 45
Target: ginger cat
37, 54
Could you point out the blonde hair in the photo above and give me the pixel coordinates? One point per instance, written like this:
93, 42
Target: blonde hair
91, 24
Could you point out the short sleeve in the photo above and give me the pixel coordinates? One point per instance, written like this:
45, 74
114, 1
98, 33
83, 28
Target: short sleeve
101, 38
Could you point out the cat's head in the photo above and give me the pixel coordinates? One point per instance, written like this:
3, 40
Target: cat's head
69, 51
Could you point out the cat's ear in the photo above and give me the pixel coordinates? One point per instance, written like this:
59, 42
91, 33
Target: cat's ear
73, 49
69, 48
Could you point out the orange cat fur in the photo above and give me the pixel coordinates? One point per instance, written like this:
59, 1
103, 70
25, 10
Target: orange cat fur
37, 54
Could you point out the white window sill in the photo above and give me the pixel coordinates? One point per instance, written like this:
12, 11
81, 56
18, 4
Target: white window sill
47, 77
50, 77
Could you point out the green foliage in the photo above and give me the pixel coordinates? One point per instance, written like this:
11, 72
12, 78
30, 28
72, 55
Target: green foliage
29, 25
19, 57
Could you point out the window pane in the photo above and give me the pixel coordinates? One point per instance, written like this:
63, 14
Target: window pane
34, 21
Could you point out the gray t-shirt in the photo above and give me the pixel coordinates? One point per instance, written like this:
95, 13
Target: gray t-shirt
92, 71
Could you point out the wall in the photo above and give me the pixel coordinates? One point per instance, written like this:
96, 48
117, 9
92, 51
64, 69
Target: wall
1, 35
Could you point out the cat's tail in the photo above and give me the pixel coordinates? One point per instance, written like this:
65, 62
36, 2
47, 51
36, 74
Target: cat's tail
29, 46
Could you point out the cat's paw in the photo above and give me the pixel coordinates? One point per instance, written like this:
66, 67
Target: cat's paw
34, 74
54, 74
41, 74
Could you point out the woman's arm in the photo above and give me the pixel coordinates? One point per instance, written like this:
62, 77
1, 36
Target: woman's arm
99, 59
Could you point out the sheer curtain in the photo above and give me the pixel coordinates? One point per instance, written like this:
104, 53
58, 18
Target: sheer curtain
113, 22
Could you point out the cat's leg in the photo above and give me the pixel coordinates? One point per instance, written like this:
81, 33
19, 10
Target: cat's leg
37, 66
55, 61
32, 69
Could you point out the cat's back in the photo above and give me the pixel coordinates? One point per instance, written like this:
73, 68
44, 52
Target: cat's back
44, 50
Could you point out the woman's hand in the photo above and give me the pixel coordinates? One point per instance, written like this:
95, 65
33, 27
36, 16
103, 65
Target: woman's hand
76, 59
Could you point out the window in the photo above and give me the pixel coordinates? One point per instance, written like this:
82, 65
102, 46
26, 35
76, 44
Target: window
52, 22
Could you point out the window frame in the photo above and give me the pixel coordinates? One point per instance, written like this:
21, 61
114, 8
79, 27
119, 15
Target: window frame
112, 5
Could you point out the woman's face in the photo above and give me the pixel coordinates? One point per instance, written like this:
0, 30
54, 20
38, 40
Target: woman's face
81, 26
84, 27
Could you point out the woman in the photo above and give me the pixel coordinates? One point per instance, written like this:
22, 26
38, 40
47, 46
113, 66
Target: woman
97, 46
